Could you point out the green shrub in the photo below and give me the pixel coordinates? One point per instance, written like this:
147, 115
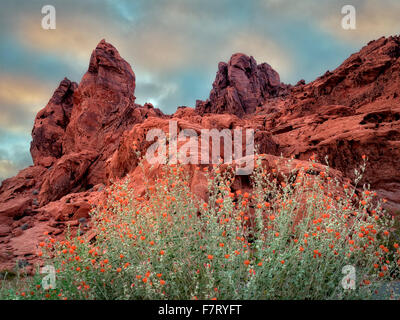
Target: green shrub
289, 239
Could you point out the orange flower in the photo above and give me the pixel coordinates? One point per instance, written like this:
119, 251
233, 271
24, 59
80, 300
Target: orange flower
227, 256
210, 257
246, 262
121, 255
283, 261
119, 269
301, 249
162, 252
221, 245
159, 275
272, 217
162, 282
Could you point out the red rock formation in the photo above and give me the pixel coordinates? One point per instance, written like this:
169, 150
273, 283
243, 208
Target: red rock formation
240, 86
351, 111
91, 133
50, 125
72, 139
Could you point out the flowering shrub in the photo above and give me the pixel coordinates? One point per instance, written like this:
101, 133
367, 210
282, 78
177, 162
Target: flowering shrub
288, 239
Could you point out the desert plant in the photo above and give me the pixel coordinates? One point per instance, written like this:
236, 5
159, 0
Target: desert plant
289, 238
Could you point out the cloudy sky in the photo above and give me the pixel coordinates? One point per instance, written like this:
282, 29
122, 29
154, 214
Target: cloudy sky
174, 47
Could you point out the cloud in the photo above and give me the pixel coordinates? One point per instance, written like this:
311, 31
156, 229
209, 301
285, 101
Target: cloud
23, 90
161, 47
20, 99
7, 169
70, 42
155, 92
374, 19
14, 155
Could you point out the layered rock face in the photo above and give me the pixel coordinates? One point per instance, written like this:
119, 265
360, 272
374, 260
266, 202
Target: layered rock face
91, 133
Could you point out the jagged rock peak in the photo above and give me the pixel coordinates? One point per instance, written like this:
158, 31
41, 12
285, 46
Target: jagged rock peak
64, 90
108, 70
241, 86
50, 124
